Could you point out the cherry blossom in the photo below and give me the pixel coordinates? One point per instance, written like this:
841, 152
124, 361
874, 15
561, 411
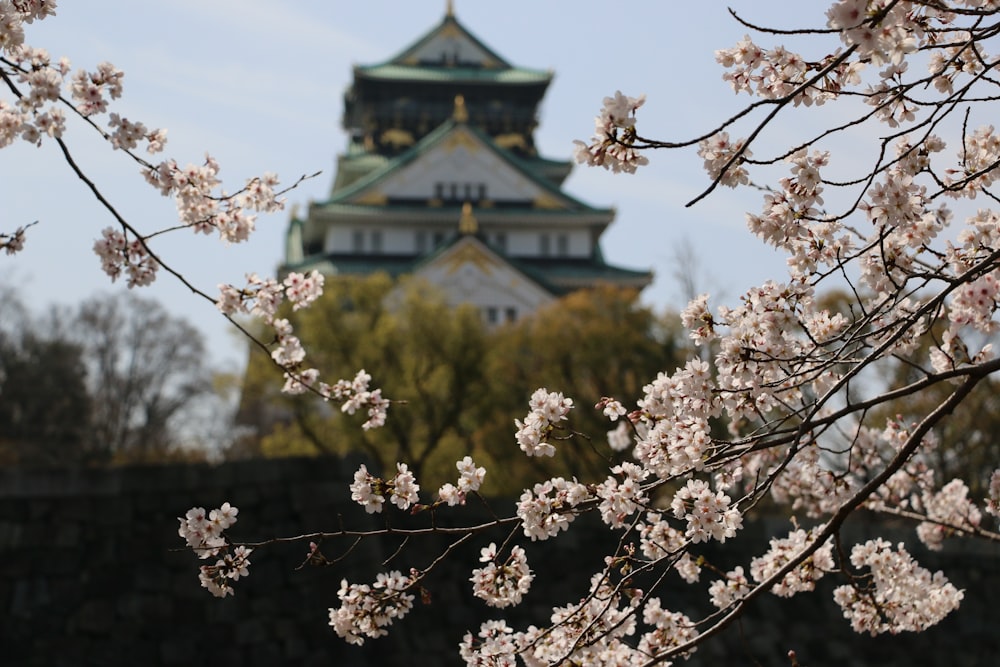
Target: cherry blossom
709, 515
545, 509
993, 501
203, 532
805, 575
950, 510
547, 410
784, 397
613, 144
469, 480
902, 596
367, 610
366, 490
504, 583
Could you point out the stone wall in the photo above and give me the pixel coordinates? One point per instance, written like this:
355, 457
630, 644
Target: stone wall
92, 573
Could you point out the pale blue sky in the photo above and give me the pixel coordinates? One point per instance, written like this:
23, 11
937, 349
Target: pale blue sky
261, 89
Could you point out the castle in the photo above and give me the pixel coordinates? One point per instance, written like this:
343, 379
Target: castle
441, 180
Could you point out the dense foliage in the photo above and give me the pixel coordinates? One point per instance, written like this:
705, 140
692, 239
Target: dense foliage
457, 379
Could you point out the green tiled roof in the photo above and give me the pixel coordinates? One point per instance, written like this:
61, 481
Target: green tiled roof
556, 274
561, 270
451, 25
451, 212
353, 265
403, 66
530, 168
423, 73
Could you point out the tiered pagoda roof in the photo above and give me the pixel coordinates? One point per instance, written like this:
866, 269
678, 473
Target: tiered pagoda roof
443, 129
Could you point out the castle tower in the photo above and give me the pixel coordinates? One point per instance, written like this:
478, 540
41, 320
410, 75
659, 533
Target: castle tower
441, 179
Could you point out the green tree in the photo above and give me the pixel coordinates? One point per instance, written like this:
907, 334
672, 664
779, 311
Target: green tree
588, 345
424, 354
457, 382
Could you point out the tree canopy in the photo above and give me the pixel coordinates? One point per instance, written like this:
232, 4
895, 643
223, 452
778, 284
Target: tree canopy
455, 379
117, 379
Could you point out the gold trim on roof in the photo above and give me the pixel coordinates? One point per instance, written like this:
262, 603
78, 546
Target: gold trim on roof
372, 198
547, 201
511, 140
397, 137
460, 138
450, 30
467, 223
469, 254
460, 114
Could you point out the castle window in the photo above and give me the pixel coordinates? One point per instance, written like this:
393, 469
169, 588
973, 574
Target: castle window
377, 241
358, 241
562, 245
510, 313
501, 241
453, 188
492, 315
438, 238
421, 241
482, 191
439, 191
545, 245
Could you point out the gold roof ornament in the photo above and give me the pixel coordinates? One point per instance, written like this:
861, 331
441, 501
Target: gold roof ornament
460, 114
449, 9
467, 224
397, 138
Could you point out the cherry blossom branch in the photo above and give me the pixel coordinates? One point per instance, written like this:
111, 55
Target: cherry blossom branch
839, 517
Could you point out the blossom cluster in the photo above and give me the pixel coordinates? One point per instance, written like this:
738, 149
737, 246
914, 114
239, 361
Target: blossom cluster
13, 242
709, 514
36, 113
356, 395
887, 41
116, 253
470, 478
589, 632
724, 159
203, 532
949, 511
902, 596
545, 509
548, 408
792, 220
620, 498
723, 593
261, 298
613, 144
370, 491
501, 585
495, 645
674, 413
993, 500
205, 208
599, 630
804, 576
658, 539
367, 610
